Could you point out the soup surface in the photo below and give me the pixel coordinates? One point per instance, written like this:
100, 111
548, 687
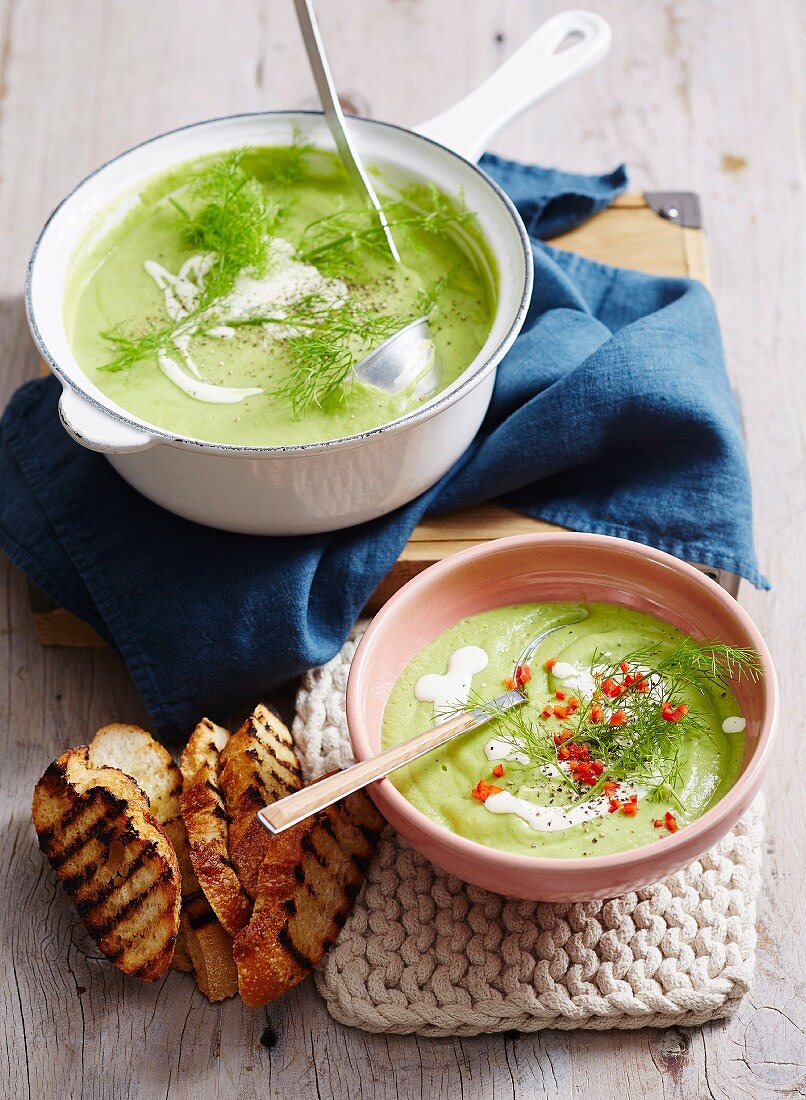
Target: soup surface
233, 299
630, 730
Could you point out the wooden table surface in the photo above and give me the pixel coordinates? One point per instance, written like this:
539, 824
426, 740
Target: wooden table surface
696, 94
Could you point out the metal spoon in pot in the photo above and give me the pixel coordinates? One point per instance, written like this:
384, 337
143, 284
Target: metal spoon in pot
408, 358
292, 809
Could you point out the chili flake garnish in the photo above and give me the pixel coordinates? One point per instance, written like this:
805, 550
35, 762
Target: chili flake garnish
483, 790
673, 714
610, 688
523, 674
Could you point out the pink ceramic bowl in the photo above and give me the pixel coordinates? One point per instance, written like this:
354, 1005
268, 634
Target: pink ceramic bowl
557, 567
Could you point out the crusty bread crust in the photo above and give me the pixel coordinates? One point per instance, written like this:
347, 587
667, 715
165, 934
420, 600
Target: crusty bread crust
258, 766
207, 826
308, 883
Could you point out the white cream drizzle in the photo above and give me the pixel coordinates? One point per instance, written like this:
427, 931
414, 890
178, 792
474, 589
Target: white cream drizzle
736, 724
285, 282
553, 819
453, 689
579, 680
501, 748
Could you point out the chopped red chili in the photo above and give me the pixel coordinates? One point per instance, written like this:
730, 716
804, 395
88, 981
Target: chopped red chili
630, 809
671, 822
618, 718
498, 770
610, 688
624, 666
559, 694
560, 712
597, 714
483, 790
658, 822
523, 674
509, 683
673, 714
550, 663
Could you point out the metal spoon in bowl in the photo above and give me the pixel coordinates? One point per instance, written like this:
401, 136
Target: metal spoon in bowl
409, 357
292, 809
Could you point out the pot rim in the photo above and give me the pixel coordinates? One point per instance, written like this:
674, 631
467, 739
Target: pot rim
425, 412
684, 845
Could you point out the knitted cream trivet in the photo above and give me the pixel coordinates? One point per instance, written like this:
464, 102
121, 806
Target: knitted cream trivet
425, 952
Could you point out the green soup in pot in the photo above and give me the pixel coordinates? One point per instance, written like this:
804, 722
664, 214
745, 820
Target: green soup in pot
226, 379
689, 762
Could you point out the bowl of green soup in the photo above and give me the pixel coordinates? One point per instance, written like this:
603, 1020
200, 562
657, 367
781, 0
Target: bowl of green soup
650, 709
204, 298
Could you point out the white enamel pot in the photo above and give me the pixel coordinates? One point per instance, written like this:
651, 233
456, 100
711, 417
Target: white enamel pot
324, 486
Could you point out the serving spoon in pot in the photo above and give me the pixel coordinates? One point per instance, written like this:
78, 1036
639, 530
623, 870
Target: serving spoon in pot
409, 357
292, 809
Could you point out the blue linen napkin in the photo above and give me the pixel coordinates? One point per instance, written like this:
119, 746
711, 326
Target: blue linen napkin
612, 413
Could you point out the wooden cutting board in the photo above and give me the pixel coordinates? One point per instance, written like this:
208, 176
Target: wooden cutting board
657, 233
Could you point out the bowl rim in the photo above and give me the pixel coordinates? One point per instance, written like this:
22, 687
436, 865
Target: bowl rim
685, 841
425, 412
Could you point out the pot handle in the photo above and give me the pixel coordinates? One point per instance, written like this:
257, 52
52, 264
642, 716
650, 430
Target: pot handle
97, 430
533, 71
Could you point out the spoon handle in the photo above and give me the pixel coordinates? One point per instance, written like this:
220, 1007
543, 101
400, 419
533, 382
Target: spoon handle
294, 807
334, 115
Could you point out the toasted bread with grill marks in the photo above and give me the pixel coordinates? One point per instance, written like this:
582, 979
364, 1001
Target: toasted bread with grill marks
207, 826
134, 752
114, 860
308, 883
210, 948
258, 766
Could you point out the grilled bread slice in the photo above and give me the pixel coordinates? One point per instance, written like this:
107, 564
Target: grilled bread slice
114, 860
209, 947
258, 766
308, 883
133, 751
207, 826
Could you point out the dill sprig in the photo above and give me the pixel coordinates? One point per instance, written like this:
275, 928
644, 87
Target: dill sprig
647, 750
290, 162
430, 298
326, 340
338, 242
132, 349
233, 225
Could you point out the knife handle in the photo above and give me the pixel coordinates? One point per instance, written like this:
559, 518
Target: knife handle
295, 807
